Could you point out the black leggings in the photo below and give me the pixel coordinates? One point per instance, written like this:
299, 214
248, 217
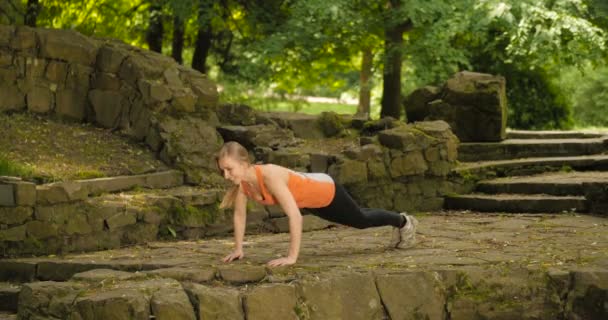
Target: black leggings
344, 210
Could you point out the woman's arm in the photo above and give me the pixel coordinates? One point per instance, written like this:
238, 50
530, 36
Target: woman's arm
276, 183
239, 220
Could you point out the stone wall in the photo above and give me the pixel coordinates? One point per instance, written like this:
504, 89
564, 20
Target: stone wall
142, 94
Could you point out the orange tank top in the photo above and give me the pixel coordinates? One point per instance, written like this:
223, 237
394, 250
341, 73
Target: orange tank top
309, 190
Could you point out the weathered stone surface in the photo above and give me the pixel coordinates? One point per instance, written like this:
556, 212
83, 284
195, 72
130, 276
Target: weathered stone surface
121, 220
215, 302
59, 192
48, 299
589, 296
184, 274
24, 39
171, 304
289, 157
242, 273
154, 91
17, 271
7, 195
474, 105
9, 296
236, 114
330, 123
13, 234
25, 193
100, 275
258, 136
67, 45
77, 224
416, 103
56, 72
303, 126
349, 171
71, 103
11, 98
268, 302
184, 100
107, 106
162, 180
410, 163
319, 162
204, 89
109, 58
16, 215
412, 295
40, 99
115, 304
342, 297
6, 33
41, 230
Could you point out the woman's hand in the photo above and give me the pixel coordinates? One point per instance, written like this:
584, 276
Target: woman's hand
282, 262
236, 255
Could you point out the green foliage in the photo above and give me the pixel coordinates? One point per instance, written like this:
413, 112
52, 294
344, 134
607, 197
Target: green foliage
10, 168
590, 98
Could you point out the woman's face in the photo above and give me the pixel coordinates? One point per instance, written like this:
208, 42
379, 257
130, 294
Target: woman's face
232, 169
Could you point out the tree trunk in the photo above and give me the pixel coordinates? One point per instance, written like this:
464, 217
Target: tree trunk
154, 36
203, 37
31, 13
391, 86
177, 46
201, 49
364, 83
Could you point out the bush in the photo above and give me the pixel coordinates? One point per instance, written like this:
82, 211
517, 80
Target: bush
590, 99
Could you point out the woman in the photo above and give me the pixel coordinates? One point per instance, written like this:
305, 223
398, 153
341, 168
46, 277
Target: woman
272, 184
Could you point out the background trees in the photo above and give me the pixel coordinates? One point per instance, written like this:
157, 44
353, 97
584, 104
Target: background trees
377, 50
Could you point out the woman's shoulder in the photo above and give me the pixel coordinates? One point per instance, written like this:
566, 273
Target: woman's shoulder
272, 171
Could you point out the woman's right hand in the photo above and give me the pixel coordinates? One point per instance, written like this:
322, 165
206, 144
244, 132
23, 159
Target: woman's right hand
235, 255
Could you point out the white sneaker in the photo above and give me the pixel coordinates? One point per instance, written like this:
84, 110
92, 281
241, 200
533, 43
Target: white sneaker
405, 237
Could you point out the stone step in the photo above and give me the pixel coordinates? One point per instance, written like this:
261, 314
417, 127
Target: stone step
527, 134
525, 148
558, 183
516, 203
580, 163
9, 294
8, 316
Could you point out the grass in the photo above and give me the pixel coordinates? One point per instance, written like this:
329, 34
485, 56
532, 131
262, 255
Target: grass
284, 105
44, 150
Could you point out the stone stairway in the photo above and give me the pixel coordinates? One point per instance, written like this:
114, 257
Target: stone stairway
9, 294
534, 172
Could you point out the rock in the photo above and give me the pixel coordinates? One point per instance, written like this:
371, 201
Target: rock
184, 100
154, 91
121, 220
77, 224
107, 106
7, 195
110, 57
410, 163
58, 192
163, 180
371, 127
104, 275
588, 298
215, 302
40, 99
184, 274
290, 158
115, 304
63, 271
48, 299
71, 103
24, 40
67, 45
319, 162
11, 98
56, 72
239, 273
303, 125
19, 271
172, 304
330, 123
25, 193
9, 297
416, 103
16, 215
41, 230
268, 302
351, 296
421, 290
474, 105
258, 136
15, 234
236, 114
58, 214
204, 89
348, 171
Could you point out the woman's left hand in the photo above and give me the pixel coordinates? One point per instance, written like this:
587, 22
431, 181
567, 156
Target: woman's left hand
286, 261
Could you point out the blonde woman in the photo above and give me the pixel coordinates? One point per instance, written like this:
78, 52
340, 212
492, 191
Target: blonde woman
271, 184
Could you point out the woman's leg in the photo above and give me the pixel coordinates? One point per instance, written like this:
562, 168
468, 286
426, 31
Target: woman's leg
344, 210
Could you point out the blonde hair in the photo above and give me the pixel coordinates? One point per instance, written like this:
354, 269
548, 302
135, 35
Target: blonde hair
235, 151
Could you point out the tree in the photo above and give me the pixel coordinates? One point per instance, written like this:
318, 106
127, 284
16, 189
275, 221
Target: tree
31, 13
